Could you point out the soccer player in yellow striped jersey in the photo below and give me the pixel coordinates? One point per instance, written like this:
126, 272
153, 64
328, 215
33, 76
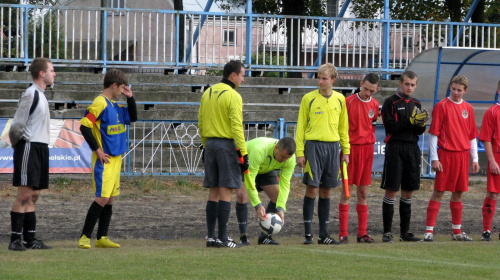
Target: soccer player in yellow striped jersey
103, 127
321, 126
220, 122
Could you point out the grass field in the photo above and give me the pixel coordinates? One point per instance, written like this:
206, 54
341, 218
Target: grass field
189, 259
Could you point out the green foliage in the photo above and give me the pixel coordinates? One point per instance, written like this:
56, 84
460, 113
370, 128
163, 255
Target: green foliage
306, 7
48, 21
62, 183
266, 59
422, 10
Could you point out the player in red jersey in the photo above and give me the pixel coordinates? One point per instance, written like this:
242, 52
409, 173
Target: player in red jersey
363, 113
491, 139
453, 129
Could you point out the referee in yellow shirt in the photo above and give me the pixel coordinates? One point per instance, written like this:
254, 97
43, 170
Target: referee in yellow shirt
220, 121
322, 125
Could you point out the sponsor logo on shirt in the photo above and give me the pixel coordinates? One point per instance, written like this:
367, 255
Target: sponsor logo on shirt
116, 129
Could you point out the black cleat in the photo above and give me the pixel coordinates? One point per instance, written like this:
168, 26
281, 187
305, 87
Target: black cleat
486, 236
36, 245
387, 238
344, 240
210, 242
227, 244
309, 240
17, 245
265, 239
328, 241
365, 239
244, 240
410, 237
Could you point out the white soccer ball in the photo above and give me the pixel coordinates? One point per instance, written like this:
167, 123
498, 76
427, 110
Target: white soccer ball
272, 224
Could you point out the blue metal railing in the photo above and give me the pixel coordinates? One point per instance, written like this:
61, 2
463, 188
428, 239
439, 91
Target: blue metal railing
145, 38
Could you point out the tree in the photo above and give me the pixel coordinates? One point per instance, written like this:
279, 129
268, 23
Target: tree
431, 10
284, 7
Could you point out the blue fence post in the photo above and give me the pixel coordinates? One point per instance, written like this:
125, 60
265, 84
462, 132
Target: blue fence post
104, 28
177, 43
248, 51
281, 125
25, 37
386, 47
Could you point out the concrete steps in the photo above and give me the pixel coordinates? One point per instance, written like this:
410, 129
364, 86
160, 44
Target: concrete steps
265, 99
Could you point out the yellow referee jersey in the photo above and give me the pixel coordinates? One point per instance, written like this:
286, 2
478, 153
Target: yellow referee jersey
221, 115
322, 119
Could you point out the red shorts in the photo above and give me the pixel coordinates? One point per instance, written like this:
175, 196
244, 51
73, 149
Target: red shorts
455, 175
493, 181
360, 164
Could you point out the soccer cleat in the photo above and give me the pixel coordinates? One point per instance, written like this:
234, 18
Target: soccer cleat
409, 237
308, 240
343, 240
244, 240
210, 242
387, 238
365, 239
36, 244
460, 237
265, 239
227, 244
84, 242
17, 245
429, 237
486, 236
328, 241
104, 242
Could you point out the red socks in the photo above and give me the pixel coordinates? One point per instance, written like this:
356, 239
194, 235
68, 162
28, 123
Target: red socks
456, 216
432, 212
488, 213
343, 219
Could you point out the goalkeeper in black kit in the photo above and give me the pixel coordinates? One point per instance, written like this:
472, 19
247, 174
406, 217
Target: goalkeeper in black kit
404, 120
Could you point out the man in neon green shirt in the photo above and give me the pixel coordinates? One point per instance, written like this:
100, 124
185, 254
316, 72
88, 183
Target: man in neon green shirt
266, 156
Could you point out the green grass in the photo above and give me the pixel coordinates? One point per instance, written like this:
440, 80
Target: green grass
189, 259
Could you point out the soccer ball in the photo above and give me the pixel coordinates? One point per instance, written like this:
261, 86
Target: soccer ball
272, 224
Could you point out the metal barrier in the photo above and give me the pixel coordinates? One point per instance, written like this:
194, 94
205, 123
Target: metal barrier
173, 147
140, 38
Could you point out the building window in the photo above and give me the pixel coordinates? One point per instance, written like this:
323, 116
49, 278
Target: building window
229, 37
408, 43
120, 4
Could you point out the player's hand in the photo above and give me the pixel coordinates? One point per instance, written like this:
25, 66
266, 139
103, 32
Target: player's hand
244, 166
475, 167
436, 166
102, 156
127, 92
419, 117
301, 161
345, 158
282, 216
261, 213
494, 168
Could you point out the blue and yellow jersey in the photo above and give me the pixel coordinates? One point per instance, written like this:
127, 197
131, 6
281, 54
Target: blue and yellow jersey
322, 119
107, 119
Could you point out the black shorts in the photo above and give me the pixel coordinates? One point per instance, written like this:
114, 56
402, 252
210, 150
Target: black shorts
401, 167
266, 179
31, 165
322, 164
222, 167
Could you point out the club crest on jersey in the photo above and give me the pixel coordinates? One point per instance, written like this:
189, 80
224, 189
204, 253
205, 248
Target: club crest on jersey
371, 113
465, 114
